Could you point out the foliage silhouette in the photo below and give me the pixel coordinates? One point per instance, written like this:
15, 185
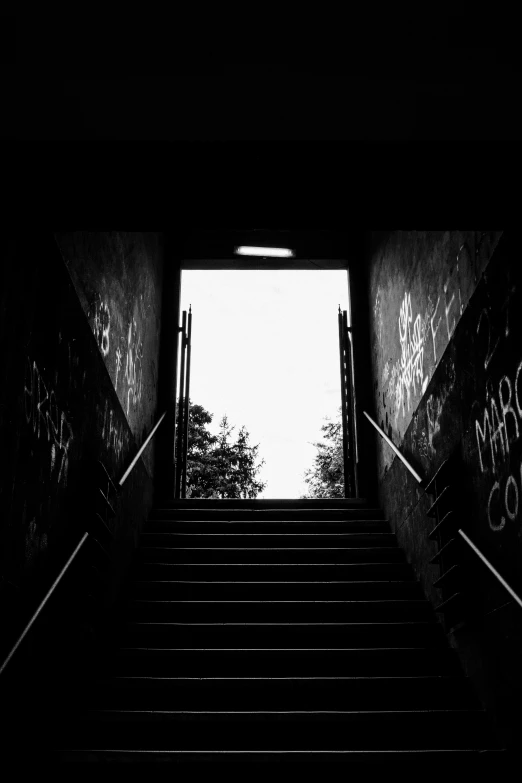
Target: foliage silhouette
326, 478
217, 465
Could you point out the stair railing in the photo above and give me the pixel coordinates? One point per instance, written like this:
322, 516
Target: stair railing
180, 458
460, 532
348, 407
80, 545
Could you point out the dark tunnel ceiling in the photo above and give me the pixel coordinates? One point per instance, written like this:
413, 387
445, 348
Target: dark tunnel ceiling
216, 244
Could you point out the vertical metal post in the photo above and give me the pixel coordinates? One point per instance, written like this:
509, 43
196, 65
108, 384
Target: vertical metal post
344, 407
179, 449
350, 399
186, 411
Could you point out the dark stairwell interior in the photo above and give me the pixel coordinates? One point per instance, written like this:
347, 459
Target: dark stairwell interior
258, 631
189, 628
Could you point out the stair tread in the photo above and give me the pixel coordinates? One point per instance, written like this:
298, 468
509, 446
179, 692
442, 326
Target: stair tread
269, 535
200, 519
301, 550
154, 678
316, 677
263, 565
284, 650
281, 601
269, 582
379, 623
262, 755
261, 502
281, 714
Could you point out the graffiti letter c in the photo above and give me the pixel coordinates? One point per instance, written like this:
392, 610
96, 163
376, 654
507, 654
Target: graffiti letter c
496, 528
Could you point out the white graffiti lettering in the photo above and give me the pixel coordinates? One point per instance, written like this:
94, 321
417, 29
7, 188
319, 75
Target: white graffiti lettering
118, 367
44, 417
512, 514
507, 408
447, 310
434, 331
114, 434
495, 526
102, 325
412, 352
133, 366
517, 397
497, 511
495, 425
449, 306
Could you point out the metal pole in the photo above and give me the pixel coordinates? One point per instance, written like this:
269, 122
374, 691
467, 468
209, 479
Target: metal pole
141, 450
179, 450
42, 604
179, 347
394, 447
350, 402
491, 568
343, 405
186, 412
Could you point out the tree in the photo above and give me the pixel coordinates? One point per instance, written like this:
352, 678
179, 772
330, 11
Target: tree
326, 478
218, 466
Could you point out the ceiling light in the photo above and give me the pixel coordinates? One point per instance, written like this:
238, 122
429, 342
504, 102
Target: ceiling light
272, 252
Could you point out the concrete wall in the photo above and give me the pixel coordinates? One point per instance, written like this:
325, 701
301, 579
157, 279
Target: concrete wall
471, 406
420, 283
59, 412
118, 278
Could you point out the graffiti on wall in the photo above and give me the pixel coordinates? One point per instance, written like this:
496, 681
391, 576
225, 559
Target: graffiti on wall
445, 314
435, 405
102, 325
407, 378
411, 338
36, 540
47, 420
126, 354
498, 423
377, 312
118, 367
419, 437
422, 341
114, 433
424, 319
134, 366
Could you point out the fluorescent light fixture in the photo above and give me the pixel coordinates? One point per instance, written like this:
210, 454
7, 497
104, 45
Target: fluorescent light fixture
272, 252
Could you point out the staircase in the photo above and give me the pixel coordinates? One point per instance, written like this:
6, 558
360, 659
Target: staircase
276, 631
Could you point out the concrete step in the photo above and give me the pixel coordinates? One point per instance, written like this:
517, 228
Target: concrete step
292, 730
279, 611
250, 554
274, 572
257, 525
364, 661
283, 591
283, 635
281, 693
440, 759
263, 503
264, 540
266, 514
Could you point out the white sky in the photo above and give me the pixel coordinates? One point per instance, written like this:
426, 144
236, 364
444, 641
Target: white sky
265, 351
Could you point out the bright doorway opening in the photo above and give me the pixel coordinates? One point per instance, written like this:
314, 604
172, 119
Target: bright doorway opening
265, 354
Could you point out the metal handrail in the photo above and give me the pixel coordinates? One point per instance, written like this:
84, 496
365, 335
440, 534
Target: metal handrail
75, 552
42, 604
394, 447
461, 533
141, 450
